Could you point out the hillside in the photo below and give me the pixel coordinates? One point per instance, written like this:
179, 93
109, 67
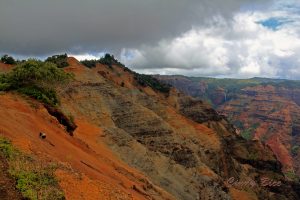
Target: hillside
135, 139
262, 109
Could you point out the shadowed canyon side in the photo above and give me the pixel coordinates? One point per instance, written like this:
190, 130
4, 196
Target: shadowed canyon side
267, 110
137, 139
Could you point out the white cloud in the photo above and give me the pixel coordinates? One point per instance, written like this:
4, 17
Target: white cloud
87, 56
240, 47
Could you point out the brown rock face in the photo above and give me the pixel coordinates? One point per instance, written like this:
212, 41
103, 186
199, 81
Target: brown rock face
262, 109
270, 118
181, 144
133, 142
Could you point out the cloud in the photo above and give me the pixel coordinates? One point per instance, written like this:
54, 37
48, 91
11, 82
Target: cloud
41, 27
240, 47
201, 38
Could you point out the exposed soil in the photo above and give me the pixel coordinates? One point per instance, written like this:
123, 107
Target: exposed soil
5, 67
71, 151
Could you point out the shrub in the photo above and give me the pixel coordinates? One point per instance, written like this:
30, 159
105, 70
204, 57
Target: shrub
89, 63
8, 60
34, 72
36, 79
34, 179
4, 85
59, 60
47, 96
108, 60
247, 134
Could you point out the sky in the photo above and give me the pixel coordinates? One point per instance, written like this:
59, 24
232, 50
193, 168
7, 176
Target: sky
216, 38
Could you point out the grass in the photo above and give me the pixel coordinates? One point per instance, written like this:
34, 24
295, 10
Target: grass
34, 179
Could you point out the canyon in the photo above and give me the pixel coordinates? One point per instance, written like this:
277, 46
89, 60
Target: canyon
133, 140
261, 109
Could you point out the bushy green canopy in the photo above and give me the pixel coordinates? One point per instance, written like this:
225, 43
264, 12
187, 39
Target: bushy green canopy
60, 60
8, 60
34, 72
35, 78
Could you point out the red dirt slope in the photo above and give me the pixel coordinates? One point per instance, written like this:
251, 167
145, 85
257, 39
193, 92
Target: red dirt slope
91, 173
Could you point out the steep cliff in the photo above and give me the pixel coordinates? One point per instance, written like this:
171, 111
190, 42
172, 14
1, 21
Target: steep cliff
261, 109
136, 141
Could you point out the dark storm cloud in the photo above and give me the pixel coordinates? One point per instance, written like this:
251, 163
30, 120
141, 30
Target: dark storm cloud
41, 27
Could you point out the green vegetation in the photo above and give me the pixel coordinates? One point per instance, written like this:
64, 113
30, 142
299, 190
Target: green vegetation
295, 150
47, 96
7, 149
148, 80
292, 84
59, 60
233, 87
8, 60
248, 133
89, 63
34, 179
292, 175
108, 60
36, 79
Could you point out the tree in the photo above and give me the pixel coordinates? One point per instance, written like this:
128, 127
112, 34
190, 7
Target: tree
109, 60
8, 60
59, 60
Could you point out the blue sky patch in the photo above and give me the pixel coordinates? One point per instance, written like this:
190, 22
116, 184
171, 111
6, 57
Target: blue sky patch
274, 23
